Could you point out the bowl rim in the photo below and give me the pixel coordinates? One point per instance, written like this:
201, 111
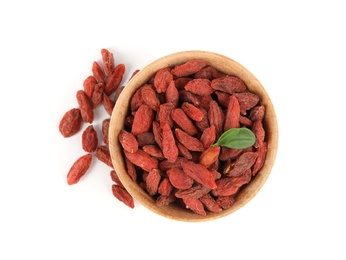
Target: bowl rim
223, 64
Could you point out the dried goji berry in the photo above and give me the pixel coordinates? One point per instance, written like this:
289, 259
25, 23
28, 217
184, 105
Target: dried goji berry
142, 120
208, 72
85, 107
195, 205
199, 173
229, 186
89, 85
162, 79
258, 130
142, 159
247, 100
108, 104
257, 113
200, 87
89, 139
208, 137
164, 114
229, 153
192, 111
123, 195
128, 141
79, 168
182, 120
102, 153
136, 100
261, 155
152, 181
149, 97
169, 147
166, 165
191, 143
210, 203
172, 94
204, 123
165, 187
232, 114
131, 169
153, 150
117, 93
222, 98
216, 117
204, 102
181, 82
157, 132
244, 121
243, 163
189, 67
146, 138
225, 202
209, 156
98, 72
71, 122
165, 200
114, 79
108, 61
97, 95
186, 96
184, 151
105, 129
196, 192
228, 84
179, 179
115, 178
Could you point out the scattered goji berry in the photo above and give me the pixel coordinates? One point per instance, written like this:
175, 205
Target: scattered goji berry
102, 153
71, 122
98, 73
123, 195
108, 104
104, 130
114, 79
85, 107
108, 62
89, 85
89, 139
79, 168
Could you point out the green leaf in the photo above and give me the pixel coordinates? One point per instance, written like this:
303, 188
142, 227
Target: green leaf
237, 138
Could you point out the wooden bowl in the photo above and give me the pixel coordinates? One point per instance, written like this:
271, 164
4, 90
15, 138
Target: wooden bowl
223, 64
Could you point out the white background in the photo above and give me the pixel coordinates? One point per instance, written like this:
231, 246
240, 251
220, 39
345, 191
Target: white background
297, 49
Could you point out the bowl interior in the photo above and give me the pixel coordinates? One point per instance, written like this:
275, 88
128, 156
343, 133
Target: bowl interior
225, 65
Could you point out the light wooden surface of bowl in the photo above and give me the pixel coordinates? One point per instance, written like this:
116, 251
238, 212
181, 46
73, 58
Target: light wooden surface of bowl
225, 65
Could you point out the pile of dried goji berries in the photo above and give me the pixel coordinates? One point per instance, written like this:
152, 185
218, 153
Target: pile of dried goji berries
101, 88
173, 122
